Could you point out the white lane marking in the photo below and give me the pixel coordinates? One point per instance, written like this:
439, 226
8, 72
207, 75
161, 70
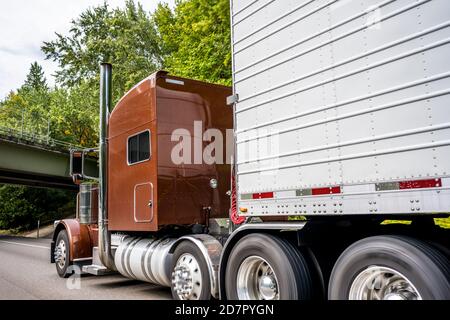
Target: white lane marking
25, 245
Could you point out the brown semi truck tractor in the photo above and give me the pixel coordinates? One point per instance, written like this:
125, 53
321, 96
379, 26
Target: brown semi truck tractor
147, 214
184, 200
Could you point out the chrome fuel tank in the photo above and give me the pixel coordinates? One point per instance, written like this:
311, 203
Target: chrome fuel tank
145, 259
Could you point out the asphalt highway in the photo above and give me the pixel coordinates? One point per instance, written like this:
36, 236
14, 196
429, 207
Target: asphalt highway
26, 273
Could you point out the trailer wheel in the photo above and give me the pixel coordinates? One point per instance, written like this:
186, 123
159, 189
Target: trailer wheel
62, 254
390, 268
190, 274
265, 267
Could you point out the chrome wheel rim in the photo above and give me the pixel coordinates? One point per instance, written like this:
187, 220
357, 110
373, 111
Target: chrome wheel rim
60, 254
256, 280
187, 278
382, 283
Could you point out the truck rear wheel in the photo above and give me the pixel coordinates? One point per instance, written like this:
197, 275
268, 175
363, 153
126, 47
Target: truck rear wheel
62, 254
265, 267
190, 274
390, 268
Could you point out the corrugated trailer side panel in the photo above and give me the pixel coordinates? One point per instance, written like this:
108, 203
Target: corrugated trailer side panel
350, 95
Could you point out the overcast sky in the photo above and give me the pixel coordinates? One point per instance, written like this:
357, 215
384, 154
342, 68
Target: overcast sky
25, 24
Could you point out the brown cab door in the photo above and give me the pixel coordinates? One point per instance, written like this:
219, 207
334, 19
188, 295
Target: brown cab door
139, 158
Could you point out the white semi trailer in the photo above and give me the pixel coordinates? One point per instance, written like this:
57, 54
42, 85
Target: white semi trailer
342, 116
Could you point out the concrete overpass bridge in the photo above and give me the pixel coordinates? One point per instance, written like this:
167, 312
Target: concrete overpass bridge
34, 160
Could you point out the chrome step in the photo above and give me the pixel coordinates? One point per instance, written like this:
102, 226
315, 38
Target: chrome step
97, 270
96, 267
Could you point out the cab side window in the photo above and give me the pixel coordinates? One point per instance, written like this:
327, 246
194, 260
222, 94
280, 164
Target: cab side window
139, 147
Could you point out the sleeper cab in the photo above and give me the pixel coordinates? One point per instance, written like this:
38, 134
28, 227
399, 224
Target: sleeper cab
150, 130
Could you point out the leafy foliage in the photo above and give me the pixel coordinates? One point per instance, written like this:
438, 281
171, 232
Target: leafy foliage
35, 79
66, 114
124, 37
195, 38
74, 114
28, 107
21, 207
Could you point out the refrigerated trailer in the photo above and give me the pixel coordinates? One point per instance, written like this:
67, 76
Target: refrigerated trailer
340, 123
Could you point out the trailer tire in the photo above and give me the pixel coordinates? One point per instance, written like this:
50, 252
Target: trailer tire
187, 257
62, 254
266, 267
390, 267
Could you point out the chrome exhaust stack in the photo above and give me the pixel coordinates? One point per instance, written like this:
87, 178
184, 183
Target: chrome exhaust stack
104, 236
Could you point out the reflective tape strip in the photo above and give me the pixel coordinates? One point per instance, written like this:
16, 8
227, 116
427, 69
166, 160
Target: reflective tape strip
262, 195
383, 186
318, 191
418, 184
409, 184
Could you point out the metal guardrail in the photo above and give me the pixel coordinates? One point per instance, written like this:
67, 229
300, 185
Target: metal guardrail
43, 140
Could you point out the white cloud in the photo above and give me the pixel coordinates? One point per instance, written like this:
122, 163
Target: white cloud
25, 25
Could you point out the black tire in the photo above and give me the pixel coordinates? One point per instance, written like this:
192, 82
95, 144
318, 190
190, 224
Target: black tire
319, 291
424, 266
63, 271
190, 248
288, 265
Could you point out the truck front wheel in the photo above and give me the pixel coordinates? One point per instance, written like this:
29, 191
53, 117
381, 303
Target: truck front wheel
390, 268
265, 267
62, 254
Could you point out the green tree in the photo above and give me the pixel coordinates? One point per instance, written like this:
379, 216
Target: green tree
36, 79
73, 114
124, 37
195, 38
21, 207
28, 108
